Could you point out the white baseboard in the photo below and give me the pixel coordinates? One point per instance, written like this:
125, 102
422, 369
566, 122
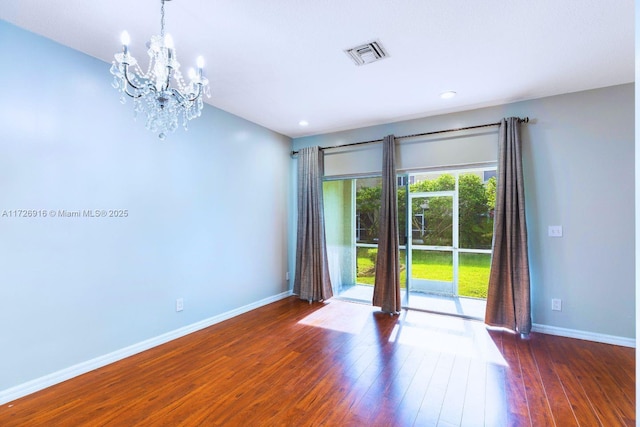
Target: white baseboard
583, 335
38, 384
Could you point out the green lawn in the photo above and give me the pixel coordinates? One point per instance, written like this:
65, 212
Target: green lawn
473, 270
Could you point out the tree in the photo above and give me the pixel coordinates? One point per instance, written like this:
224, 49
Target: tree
368, 210
436, 211
490, 190
475, 223
476, 205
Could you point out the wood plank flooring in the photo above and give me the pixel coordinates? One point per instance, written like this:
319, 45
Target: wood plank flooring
345, 364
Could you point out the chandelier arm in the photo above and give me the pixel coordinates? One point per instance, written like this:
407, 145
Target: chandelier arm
129, 83
167, 82
183, 98
126, 77
131, 95
138, 88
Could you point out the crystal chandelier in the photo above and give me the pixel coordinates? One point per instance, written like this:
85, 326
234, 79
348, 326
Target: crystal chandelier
163, 105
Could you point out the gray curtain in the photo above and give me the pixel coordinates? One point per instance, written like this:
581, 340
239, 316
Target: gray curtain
312, 282
386, 290
508, 298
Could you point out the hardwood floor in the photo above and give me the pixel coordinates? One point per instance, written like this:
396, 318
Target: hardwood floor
344, 364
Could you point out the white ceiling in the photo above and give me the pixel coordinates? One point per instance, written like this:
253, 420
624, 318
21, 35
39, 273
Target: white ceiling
281, 61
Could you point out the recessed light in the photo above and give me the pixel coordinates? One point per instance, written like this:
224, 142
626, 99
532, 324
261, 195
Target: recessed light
303, 123
448, 94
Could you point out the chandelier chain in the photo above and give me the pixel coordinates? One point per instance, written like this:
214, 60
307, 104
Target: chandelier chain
162, 19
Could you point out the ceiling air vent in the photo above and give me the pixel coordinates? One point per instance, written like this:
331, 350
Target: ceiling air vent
367, 53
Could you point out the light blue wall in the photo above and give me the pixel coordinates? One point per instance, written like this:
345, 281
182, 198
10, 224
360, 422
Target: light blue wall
579, 171
637, 189
207, 214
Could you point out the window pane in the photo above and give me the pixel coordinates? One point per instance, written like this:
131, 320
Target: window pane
368, 195
403, 269
402, 213
432, 265
476, 198
425, 182
473, 274
366, 265
432, 221
339, 231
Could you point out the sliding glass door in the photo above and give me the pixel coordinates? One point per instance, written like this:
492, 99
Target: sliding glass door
449, 250
446, 226
430, 263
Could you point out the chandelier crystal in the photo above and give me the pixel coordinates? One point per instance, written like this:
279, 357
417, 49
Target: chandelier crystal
163, 104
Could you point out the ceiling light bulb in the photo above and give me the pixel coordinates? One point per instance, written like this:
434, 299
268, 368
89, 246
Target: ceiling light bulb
124, 38
200, 62
168, 41
303, 123
448, 94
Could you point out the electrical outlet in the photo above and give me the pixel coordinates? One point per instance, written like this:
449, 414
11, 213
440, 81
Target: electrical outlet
555, 231
179, 304
556, 304
286, 276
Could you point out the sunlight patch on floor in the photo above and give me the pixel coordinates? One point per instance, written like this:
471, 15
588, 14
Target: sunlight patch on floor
467, 307
432, 332
334, 316
465, 338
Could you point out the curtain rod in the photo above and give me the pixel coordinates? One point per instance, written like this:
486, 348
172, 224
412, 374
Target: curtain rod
521, 120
